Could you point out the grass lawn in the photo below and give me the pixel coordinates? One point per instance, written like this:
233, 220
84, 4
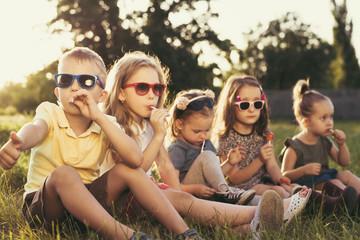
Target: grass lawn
13, 225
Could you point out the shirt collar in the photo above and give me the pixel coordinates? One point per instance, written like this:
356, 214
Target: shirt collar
64, 123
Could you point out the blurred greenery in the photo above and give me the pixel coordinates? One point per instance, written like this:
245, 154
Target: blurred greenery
278, 54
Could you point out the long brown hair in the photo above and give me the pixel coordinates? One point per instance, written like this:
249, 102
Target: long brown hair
224, 110
118, 76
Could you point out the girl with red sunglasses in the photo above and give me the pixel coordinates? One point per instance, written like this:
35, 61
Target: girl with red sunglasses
143, 118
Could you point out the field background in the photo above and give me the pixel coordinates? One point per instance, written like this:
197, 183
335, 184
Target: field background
13, 225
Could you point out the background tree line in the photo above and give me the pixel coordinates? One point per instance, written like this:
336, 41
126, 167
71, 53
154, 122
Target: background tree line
277, 54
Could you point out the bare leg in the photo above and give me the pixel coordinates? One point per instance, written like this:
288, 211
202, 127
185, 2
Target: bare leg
146, 193
216, 213
64, 189
349, 179
210, 212
261, 188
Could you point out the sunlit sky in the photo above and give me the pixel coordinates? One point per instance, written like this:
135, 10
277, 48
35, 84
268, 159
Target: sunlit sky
26, 45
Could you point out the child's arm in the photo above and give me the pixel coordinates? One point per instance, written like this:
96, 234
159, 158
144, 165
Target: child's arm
237, 175
272, 167
167, 170
124, 145
27, 137
340, 155
152, 151
288, 165
234, 156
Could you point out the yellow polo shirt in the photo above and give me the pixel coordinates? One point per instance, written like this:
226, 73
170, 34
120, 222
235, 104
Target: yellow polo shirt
62, 147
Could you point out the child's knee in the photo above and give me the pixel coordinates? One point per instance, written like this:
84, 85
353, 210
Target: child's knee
344, 175
64, 174
208, 157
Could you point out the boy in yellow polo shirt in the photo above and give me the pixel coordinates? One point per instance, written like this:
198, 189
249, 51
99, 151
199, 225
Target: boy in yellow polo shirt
68, 143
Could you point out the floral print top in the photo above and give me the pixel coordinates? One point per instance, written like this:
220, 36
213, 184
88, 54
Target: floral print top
251, 144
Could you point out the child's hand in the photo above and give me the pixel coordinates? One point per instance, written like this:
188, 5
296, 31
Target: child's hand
236, 155
266, 152
339, 136
158, 121
312, 168
284, 180
204, 191
10, 152
86, 103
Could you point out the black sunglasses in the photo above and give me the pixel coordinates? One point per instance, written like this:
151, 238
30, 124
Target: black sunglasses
197, 105
87, 81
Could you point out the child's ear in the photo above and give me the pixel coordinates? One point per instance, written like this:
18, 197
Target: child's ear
56, 92
305, 122
103, 96
121, 96
178, 124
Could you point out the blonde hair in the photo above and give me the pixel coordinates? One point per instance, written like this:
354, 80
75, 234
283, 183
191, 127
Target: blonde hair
224, 110
183, 112
119, 75
304, 99
85, 54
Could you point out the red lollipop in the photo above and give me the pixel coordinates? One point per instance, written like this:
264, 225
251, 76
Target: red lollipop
270, 137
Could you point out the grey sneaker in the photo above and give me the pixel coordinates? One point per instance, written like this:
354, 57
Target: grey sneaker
190, 234
142, 236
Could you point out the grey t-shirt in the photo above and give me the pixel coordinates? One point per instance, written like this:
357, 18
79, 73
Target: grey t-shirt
316, 153
183, 155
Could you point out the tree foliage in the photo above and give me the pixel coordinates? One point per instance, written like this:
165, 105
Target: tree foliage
346, 65
96, 24
26, 97
277, 54
286, 52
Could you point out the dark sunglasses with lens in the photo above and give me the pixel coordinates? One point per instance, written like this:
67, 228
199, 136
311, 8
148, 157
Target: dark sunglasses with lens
199, 104
245, 105
87, 81
142, 88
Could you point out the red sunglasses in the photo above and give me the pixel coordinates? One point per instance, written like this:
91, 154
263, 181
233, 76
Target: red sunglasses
142, 88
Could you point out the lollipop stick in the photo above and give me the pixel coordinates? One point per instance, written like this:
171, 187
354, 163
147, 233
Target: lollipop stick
202, 147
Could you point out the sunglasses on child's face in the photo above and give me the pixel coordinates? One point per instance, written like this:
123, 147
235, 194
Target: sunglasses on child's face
197, 105
87, 81
245, 105
142, 88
